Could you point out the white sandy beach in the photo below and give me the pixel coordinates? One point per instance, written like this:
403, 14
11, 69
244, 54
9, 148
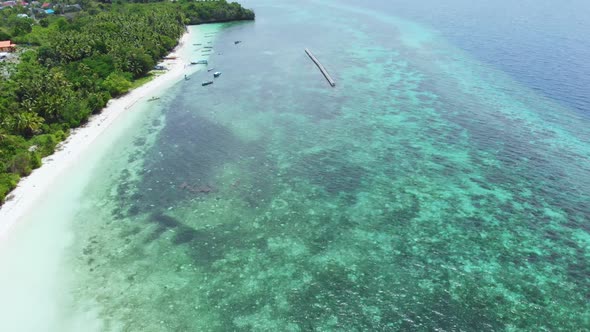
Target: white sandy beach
33, 187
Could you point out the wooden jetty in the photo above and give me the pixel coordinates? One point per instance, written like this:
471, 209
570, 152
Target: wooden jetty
321, 67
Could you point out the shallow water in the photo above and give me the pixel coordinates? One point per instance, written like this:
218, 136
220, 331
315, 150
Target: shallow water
429, 189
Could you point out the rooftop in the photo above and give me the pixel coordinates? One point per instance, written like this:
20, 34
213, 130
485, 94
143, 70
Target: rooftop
6, 43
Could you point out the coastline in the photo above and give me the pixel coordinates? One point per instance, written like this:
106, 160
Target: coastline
35, 186
41, 251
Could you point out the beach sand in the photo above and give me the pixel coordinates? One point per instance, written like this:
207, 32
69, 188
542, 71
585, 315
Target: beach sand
36, 222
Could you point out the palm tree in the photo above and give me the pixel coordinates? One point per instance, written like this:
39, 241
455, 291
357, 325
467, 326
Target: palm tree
27, 123
3, 135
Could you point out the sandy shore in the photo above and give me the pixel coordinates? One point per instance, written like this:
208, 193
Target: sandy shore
34, 187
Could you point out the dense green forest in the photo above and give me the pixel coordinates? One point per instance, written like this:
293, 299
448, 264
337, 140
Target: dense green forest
70, 65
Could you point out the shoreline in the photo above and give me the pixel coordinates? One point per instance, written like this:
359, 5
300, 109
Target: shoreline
33, 187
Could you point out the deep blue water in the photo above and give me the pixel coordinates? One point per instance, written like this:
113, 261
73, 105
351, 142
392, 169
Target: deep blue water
543, 44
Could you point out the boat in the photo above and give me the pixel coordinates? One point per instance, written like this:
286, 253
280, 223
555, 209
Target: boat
200, 62
211, 69
217, 74
207, 83
237, 42
153, 98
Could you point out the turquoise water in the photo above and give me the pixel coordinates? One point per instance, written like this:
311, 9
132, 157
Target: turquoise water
428, 190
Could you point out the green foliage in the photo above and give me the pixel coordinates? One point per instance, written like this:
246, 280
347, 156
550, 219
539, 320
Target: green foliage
101, 65
4, 35
27, 123
19, 25
96, 101
46, 143
10, 145
198, 12
43, 91
35, 160
116, 84
44, 22
8, 182
21, 164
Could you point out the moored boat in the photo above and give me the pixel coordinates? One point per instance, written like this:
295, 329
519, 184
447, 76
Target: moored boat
217, 74
207, 83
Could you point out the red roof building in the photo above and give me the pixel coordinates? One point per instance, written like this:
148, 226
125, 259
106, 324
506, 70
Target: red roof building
46, 5
7, 46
